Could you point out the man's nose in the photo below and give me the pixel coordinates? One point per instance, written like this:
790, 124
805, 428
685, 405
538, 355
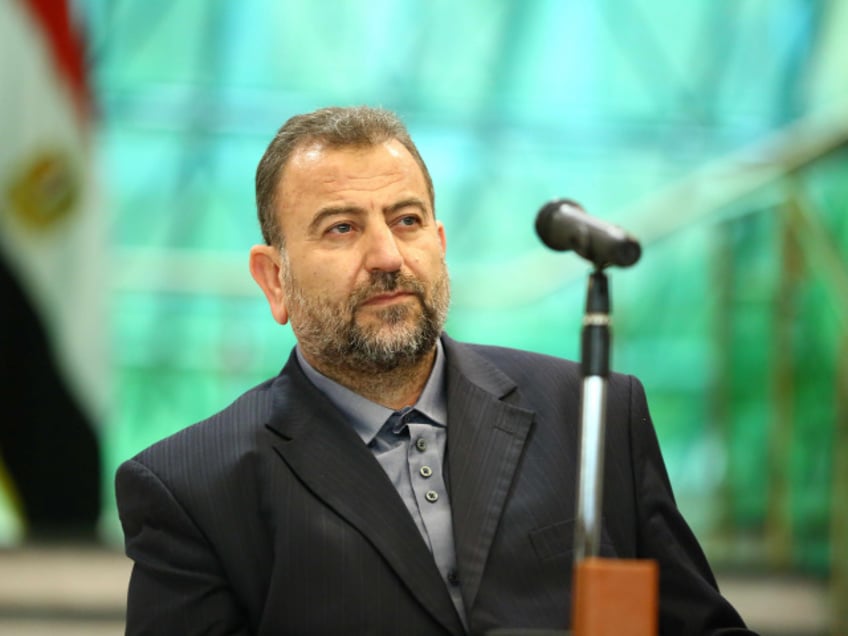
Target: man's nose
383, 252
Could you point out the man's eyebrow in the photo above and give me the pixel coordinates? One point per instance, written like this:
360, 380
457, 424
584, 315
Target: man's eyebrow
330, 211
413, 202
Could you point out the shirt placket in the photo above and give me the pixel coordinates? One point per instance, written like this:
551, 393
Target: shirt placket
426, 476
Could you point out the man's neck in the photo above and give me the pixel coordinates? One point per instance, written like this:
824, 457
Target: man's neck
393, 388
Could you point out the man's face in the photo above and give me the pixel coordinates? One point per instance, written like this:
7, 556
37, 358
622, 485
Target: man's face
363, 270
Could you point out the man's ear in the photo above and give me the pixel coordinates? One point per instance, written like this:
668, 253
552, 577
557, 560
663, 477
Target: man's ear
265, 267
440, 228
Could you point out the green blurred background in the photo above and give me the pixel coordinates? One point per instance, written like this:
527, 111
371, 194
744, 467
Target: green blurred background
716, 131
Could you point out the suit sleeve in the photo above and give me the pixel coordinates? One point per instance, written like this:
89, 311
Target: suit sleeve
177, 584
690, 600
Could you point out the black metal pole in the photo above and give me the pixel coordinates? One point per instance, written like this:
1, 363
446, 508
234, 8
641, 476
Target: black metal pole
595, 355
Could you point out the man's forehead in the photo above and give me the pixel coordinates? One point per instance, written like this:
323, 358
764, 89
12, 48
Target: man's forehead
316, 163
318, 173
317, 151
309, 152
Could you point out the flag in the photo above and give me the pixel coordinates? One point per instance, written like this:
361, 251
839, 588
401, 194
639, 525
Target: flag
53, 284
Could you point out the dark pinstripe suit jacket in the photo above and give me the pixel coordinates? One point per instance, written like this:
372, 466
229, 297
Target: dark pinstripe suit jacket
272, 517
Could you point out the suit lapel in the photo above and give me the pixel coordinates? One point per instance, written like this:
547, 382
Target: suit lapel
486, 436
331, 460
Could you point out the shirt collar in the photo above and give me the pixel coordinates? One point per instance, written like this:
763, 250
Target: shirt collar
367, 417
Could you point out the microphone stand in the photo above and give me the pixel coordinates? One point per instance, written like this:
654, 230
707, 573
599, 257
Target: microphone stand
595, 353
610, 596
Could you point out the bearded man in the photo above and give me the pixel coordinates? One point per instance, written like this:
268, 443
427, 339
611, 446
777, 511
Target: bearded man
390, 480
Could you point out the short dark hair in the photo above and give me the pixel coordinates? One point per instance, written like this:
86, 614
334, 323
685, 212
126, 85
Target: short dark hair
335, 127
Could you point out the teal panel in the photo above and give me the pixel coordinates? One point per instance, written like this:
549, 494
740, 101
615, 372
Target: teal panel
512, 104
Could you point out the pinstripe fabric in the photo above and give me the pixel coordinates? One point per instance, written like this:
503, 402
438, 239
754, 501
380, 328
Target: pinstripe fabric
272, 517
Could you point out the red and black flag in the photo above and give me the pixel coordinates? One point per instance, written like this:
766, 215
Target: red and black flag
52, 275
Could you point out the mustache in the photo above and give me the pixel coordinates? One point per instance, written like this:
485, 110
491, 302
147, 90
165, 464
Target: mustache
383, 282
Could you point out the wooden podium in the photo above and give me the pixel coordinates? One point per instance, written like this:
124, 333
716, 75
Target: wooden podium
615, 597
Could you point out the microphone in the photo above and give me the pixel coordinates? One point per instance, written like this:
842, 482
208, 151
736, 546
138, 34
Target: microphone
563, 225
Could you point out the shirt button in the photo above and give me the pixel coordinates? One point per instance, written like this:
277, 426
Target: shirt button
432, 496
421, 444
453, 577
426, 471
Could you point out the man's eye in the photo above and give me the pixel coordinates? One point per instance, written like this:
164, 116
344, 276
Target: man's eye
341, 228
408, 221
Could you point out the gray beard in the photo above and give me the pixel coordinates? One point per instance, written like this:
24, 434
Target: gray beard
332, 335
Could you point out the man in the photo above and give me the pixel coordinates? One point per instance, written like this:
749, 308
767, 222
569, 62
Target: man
390, 480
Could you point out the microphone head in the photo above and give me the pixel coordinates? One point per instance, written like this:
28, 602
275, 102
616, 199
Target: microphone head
563, 224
